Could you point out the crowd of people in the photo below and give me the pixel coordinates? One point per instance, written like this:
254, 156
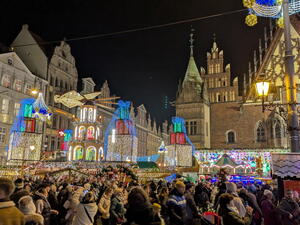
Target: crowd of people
109, 199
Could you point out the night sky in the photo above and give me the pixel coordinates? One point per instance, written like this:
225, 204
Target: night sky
141, 66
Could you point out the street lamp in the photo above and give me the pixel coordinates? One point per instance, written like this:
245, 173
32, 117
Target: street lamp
34, 91
262, 89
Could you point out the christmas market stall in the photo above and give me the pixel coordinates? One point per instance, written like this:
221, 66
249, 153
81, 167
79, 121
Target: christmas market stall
255, 162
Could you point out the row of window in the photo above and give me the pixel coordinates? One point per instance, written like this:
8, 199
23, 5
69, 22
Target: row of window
222, 97
214, 68
5, 107
17, 84
276, 131
217, 82
55, 82
191, 127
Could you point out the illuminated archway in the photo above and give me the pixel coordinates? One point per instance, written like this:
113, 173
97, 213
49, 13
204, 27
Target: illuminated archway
78, 153
90, 133
81, 132
100, 154
90, 153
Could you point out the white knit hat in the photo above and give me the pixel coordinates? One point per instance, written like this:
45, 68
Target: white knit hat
267, 192
26, 205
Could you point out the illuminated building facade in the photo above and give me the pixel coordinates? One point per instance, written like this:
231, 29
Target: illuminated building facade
86, 144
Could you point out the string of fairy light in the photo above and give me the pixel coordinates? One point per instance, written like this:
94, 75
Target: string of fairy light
96, 36
268, 8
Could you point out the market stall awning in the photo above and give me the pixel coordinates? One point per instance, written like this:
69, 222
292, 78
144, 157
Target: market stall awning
226, 160
147, 165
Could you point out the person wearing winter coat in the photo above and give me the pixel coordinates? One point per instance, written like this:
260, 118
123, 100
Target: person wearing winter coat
19, 191
177, 205
230, 214
162, 200
28, 208
201, 196
117, 210
232, 189
104, 206
140, 211
250, 199
9, 214
43, 207
288, 209
192, 211
86, 210
268, 209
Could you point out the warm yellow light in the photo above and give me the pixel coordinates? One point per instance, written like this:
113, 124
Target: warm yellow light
34, 91
32, 147
262, 88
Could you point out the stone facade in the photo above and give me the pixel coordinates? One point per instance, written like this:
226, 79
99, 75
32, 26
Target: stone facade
238, 122
16, 83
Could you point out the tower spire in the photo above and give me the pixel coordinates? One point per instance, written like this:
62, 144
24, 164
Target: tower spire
192, 41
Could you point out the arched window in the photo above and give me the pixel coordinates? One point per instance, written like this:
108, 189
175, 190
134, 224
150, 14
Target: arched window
260, 132
98, 133
5, 80
81, 132
277, 130
91, 153
90, 133
101, 154
91, 115
78, 153
18, 85
230, 137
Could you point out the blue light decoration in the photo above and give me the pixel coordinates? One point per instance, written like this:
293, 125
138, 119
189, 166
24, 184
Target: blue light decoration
162, 148
268, 8
123, 110
179, 120
151, 158
178, 124
24, 112
121, 113
41, 110
67, 139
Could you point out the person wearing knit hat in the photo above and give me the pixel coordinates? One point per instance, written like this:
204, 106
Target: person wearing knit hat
268, 208
180, 186
28, 208
19, 191
177, 205
232, 189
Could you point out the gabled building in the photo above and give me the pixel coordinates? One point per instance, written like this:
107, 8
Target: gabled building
16, 84
55, 64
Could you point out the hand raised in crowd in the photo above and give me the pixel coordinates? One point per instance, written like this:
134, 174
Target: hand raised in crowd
249, 210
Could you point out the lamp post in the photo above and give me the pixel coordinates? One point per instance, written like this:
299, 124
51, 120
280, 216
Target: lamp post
262, 86
290, 84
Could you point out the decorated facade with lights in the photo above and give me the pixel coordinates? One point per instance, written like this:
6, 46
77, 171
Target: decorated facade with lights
86, 144
26, 132
245, 161
180, 151
120, 142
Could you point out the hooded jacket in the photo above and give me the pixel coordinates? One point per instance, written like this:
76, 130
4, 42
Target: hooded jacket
232, 189
10, 215
177, 208
81, 217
